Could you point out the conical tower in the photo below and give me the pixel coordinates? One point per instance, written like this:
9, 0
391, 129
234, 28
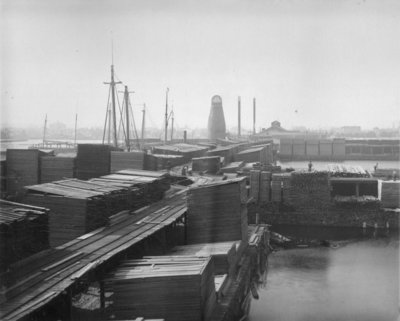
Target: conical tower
216, 120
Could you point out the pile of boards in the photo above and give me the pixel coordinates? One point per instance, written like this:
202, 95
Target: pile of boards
341, 170
209, 164
224, 254
280, 187
93, 160
125, 160
175, 288
23, 232
155, 162
54, 168
260, 186
232, 167
23, 168
217, 212
77, 207
390, 194
150, 185
305, 189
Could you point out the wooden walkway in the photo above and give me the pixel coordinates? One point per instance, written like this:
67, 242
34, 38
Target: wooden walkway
43, 277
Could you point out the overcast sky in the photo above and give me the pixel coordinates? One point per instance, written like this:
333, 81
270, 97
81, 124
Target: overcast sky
334, 62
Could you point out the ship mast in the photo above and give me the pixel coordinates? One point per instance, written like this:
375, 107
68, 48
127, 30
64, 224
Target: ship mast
143, 122
166, 117
44, 130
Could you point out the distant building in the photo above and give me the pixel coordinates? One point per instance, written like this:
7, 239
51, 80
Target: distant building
216, 120
277, 130
351, 130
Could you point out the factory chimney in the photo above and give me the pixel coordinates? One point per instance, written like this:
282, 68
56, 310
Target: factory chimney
239, 125
254, 116
216, 120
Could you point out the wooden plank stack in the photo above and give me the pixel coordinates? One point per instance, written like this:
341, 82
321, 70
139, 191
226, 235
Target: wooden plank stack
178, 288
3, 177
265, 187
341, 170
23, 168
223, 253
390, 196
209, 164
232, 167
125, 160
276, 189
309, 190
156, 162
23, 232
93, 160
261, 154
284, 178
255, 185
217, 212
76, 207
54, 168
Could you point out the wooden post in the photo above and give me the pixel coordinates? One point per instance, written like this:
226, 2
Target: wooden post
185, 231
357, 189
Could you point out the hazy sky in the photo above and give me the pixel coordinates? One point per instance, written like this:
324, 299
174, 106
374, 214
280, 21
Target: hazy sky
335, 62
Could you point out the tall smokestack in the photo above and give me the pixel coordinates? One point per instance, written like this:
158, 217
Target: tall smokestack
239, 125
216, 120
254, 116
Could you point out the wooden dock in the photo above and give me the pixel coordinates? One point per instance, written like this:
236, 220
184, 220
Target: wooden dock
33, 283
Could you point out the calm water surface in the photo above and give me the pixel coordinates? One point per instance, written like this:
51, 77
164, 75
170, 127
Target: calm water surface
357, 281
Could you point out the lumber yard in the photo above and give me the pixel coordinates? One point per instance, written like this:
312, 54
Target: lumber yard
110, 240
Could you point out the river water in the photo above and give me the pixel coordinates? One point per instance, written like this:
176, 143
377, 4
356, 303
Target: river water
357, 281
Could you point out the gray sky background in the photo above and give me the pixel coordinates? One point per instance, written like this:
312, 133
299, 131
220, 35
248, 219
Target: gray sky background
335, 62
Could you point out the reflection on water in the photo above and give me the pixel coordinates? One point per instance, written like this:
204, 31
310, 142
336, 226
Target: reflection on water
357, 281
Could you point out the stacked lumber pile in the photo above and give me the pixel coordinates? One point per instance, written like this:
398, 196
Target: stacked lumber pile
210, 164
308, 189
223, 253
152, 184
3, 176
227, 152
125, 160
174, 288
217, 212
156, 162
280, 186
254, 185
23, 168
93, 160
232, 167
188, 151
341, 170
265, 187
54, 168
262, 154
23, 232
76, 207
391, 194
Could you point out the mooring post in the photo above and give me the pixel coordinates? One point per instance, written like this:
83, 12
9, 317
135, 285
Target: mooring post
257, 218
